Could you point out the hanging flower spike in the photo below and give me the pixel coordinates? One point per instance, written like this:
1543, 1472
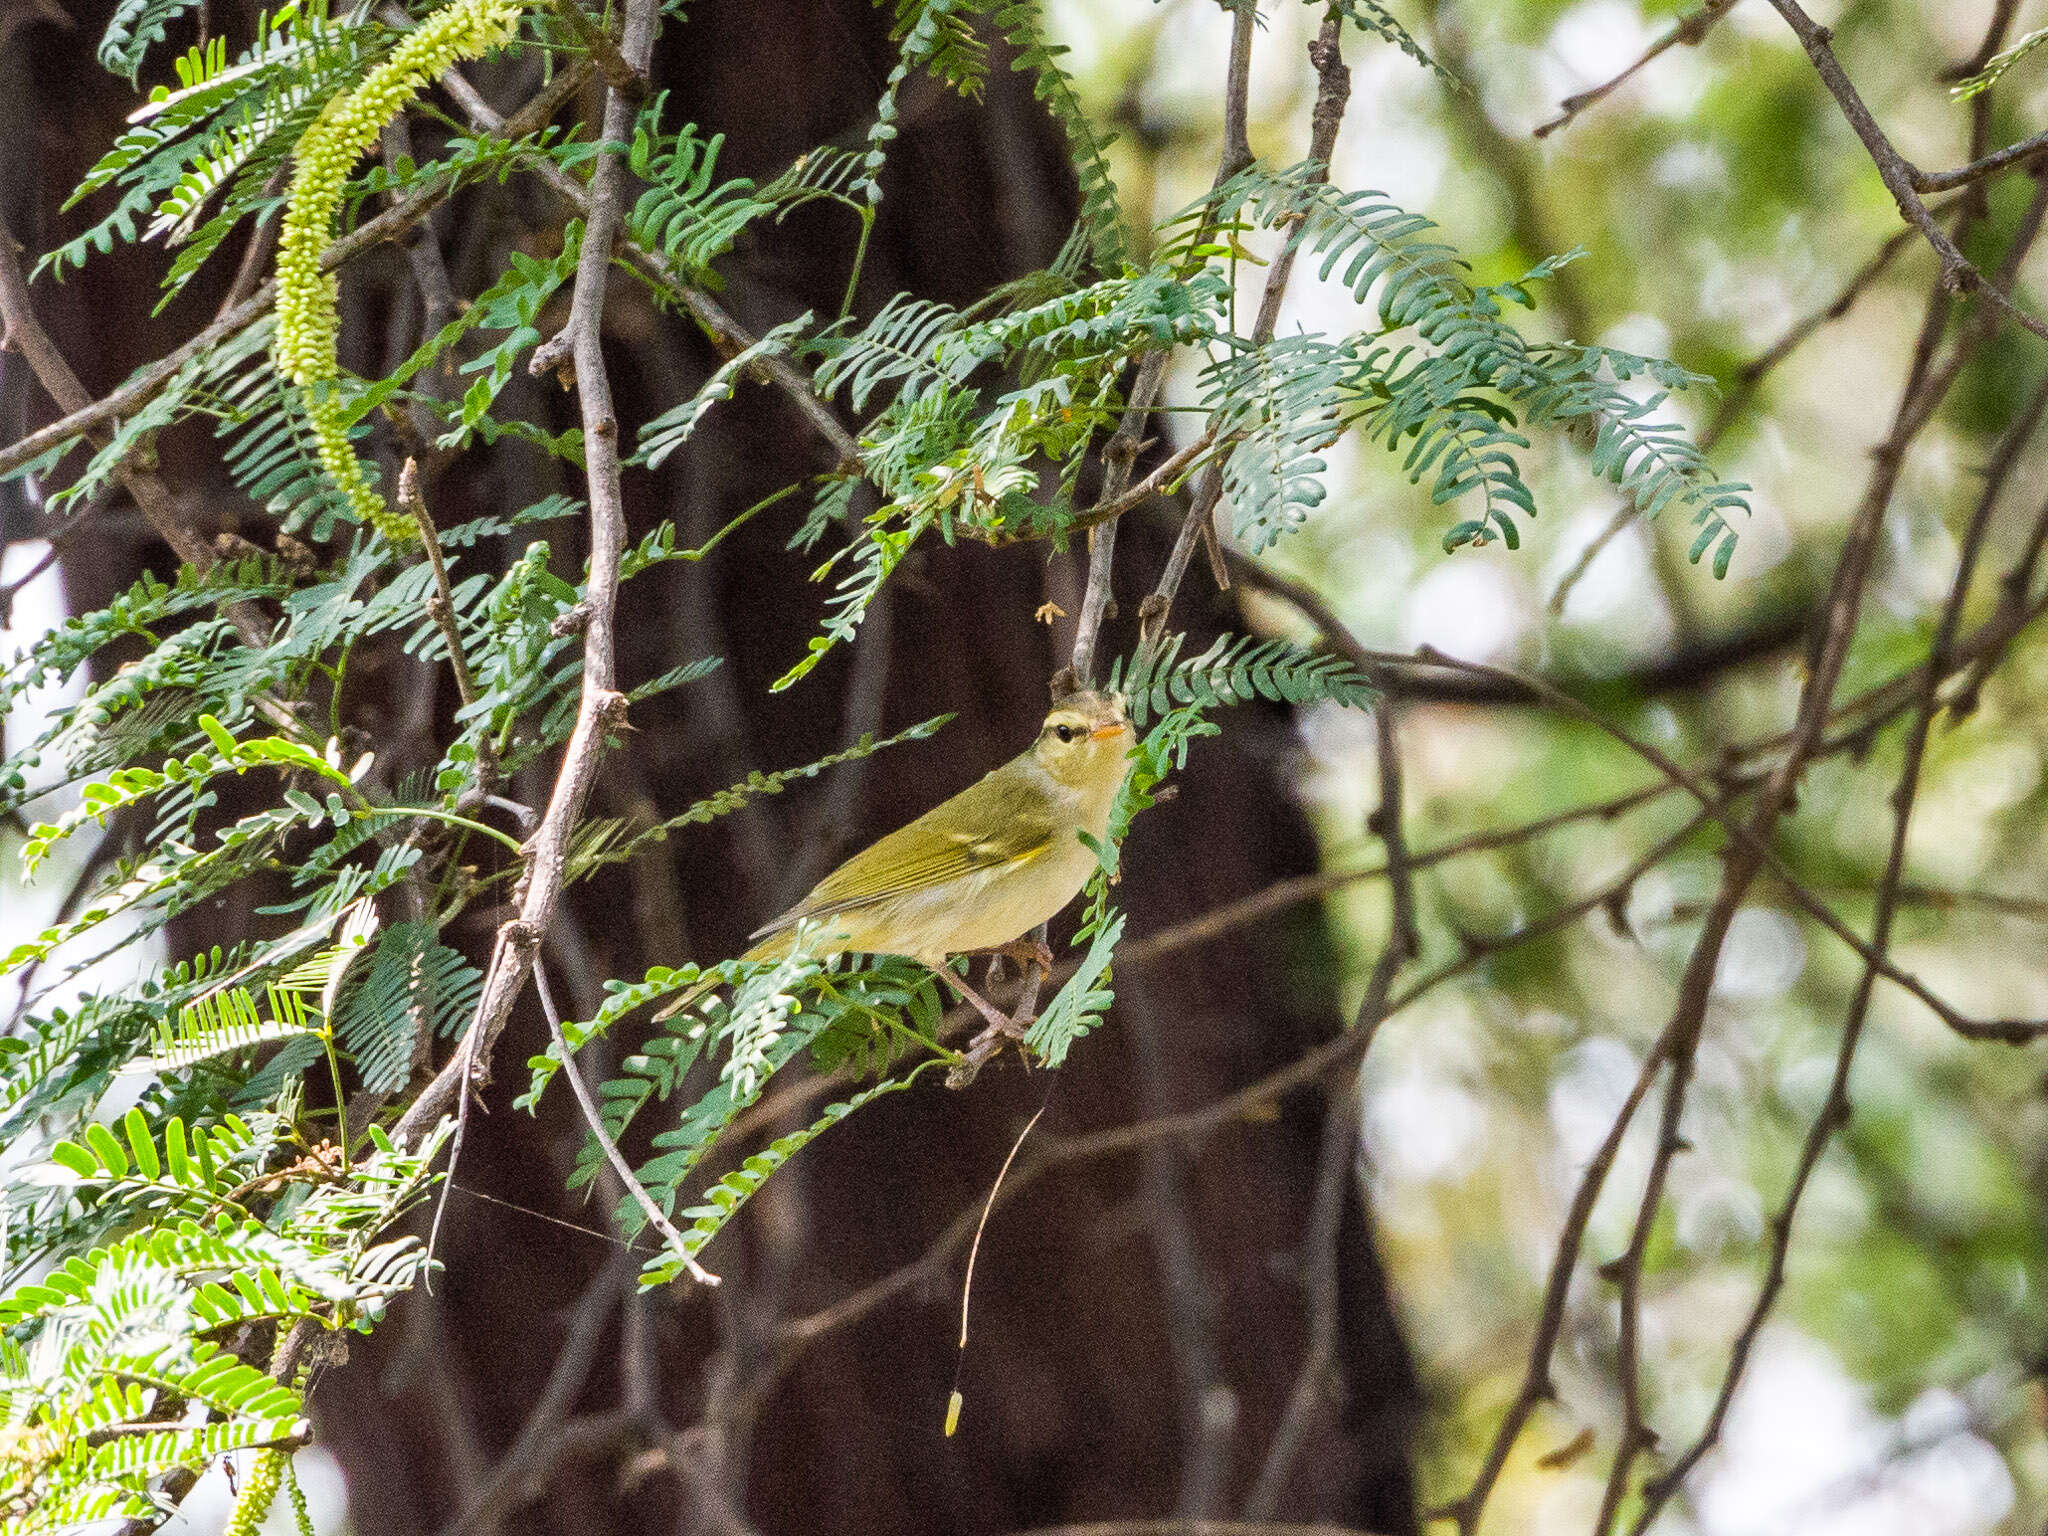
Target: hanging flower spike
308, 323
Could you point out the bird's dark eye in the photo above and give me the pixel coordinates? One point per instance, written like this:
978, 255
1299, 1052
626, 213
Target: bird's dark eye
1064, 732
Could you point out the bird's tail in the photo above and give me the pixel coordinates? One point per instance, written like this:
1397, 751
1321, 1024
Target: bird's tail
774, 947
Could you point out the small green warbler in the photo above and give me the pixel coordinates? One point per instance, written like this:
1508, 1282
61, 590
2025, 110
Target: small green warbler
979, 871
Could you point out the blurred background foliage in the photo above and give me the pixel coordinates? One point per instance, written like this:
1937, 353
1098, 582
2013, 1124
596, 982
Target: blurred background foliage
1722, 201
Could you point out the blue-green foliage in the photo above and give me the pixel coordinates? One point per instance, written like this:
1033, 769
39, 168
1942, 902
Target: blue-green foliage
934, 35
691, 219
135, 27
1445, 375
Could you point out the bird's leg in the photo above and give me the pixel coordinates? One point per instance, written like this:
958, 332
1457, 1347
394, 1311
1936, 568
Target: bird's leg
999, 1022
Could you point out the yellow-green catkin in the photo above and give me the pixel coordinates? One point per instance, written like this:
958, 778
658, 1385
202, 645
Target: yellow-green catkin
308, 323
259, 1491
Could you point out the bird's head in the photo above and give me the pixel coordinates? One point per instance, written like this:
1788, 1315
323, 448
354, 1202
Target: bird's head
1085, 739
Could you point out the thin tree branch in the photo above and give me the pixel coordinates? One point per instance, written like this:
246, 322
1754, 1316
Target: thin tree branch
593, 1119
1750, 376
1114, 505
1748, 380
257, 253
441, 609
1209, 1410
522, 1472
724, 330
22, 331
1123, 447
1255, 1099
2021, 153
1691, 31
1117, 460
1834, 1111
1748, 838
601, 707
1333, 93
1926, 385
1958, 273
1237, 91
146, 383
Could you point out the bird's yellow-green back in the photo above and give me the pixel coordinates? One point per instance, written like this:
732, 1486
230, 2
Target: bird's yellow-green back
983, 868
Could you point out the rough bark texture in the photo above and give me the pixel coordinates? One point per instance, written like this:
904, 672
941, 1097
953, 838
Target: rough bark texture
1089, 1347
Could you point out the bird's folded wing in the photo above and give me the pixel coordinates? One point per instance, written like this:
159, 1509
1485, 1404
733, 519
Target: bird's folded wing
918, 857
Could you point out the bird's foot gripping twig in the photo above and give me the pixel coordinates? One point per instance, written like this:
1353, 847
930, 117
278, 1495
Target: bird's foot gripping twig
1002, 1027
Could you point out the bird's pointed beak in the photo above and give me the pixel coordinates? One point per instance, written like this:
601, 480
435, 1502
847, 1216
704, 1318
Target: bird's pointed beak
1104, 732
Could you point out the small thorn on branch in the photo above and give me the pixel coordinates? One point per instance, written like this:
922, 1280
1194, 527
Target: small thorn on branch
556, 354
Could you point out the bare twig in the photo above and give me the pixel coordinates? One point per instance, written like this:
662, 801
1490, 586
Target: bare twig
422, 249
1193, 1314
1691, 31
1117, 460
1926, 384
1747, 837
441, 609
1124, 446
257, 253
1834, 1111
2022, 153
1958, 273
1748, 379
1752, 373
593, 1120
1114, 505
1994, 39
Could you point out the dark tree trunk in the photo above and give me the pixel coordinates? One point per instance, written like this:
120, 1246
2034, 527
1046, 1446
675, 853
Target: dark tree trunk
1138, 1319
